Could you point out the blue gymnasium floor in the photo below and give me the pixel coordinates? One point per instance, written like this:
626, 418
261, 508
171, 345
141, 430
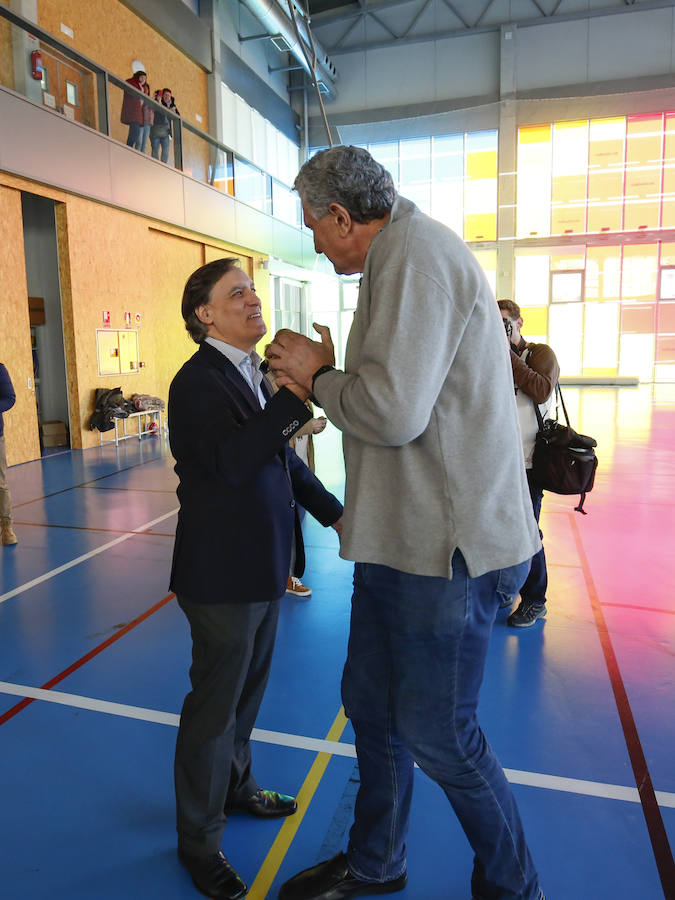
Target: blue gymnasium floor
94, 658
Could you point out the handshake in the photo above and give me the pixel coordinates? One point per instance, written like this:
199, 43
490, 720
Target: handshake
294, 359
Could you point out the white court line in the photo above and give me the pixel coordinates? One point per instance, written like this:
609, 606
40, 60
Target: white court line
80, 559
335, 748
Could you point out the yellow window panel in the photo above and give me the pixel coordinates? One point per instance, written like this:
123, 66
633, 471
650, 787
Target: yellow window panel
600, 370
667, 254
480, 227
668, 199
533, 181
481, 164
639, 272
535, 320
573, 261
644, 138
534, 134
605, 174
603, 273
487, 259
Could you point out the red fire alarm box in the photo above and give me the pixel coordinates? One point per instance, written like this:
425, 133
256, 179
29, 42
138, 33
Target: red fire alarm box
36, 65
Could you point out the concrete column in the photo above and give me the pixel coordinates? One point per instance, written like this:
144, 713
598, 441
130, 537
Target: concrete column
506, 214
23, 45
209, 12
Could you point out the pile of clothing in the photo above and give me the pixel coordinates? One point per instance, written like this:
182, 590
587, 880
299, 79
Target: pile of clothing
110, 404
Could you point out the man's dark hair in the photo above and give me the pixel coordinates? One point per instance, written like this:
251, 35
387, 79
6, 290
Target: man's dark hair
348, 176
510, 308
198, 293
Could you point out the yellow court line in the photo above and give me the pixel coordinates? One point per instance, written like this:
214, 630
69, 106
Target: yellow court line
279, 849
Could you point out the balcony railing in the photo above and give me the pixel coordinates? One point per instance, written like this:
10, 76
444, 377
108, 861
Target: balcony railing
81, 90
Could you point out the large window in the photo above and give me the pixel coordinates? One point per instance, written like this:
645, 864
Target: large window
450, 177
605, 310
597, 175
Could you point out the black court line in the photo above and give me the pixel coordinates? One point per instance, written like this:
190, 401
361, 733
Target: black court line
663, 854
93, 529
72, 487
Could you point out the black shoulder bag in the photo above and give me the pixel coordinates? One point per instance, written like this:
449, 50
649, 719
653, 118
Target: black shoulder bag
563, 462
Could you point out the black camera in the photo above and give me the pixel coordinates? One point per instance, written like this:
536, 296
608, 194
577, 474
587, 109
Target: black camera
508, 328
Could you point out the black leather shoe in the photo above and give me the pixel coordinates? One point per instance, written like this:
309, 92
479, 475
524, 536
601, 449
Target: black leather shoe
213, 876
265, 805
332, 880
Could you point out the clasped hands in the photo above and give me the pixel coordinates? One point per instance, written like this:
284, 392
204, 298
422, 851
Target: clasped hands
294, 358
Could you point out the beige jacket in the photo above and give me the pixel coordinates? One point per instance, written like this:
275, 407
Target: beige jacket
426, 405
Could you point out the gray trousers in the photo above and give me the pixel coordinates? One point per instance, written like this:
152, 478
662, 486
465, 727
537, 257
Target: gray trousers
232, 645
5, 499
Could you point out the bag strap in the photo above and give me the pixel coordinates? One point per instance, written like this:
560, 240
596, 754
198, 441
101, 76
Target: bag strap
537, 411
580, 507
559, 393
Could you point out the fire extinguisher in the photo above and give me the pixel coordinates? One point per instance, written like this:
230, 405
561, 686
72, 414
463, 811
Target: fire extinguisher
36, 65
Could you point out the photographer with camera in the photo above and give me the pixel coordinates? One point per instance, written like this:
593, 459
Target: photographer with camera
535, 375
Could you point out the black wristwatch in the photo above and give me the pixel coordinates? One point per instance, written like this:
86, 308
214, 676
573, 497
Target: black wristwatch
318, 372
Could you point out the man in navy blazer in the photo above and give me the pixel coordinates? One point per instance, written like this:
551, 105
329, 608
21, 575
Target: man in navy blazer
237, 535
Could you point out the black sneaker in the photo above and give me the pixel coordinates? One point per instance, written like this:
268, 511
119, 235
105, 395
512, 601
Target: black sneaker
526, 614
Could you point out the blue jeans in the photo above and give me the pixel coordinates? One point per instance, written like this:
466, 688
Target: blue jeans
536, 583
143, 140
417, 651
134, 136
163, 142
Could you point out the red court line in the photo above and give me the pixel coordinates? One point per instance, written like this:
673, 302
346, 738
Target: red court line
653, 609
84, 659
663, 855
131, 490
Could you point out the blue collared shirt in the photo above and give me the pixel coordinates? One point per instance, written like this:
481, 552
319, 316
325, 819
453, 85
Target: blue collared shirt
238, 359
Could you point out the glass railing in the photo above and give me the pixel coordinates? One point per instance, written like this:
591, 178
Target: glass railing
37, 65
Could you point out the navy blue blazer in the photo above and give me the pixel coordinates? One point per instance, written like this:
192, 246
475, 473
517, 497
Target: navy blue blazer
239, 482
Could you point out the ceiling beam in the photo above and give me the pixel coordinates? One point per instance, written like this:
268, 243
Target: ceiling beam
330, 18
483, 29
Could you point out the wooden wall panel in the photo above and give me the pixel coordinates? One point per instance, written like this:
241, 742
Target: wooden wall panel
112, 35
113, 260
6, 55
114, 265
21, 428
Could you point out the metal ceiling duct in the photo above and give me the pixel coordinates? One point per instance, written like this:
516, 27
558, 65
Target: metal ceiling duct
277, 22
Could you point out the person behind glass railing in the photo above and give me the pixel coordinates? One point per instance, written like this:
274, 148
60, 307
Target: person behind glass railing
148, 119
132, 109
162, 130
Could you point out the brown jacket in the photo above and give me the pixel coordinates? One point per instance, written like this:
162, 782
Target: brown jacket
538, 376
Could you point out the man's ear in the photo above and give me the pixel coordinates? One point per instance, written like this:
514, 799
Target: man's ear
343, 219
519, 323
203, 313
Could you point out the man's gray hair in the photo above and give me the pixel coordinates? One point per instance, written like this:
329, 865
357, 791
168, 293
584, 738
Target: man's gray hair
348, 176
